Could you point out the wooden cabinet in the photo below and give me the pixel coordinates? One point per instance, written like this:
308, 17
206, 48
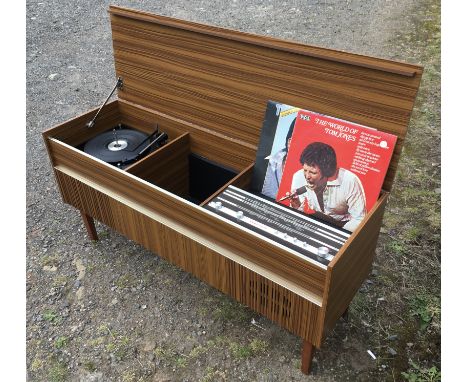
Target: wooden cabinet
207, 88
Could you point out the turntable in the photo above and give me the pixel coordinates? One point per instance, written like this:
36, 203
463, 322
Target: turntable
122, 145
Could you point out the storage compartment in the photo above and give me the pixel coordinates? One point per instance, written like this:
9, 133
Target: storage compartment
176, 168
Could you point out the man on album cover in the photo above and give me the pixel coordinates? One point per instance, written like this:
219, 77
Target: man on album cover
336, 192
275, 167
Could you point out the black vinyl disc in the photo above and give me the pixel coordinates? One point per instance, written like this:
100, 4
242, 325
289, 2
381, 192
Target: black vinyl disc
117, 147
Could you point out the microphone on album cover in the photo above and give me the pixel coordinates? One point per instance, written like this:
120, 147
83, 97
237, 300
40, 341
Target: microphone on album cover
299, 191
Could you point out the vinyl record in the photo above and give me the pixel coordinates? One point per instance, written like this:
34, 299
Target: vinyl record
117, 147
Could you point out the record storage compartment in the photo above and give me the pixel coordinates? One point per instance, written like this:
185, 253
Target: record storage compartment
207, 88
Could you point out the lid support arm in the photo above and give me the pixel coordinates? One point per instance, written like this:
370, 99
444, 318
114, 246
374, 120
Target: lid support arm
119, 84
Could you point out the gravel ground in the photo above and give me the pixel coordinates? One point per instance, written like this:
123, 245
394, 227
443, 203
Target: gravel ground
112, 311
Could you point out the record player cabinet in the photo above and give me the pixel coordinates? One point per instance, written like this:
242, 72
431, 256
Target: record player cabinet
207, 88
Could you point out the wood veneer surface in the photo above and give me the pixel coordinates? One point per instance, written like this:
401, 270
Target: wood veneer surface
168, 167
352, 265
221, 79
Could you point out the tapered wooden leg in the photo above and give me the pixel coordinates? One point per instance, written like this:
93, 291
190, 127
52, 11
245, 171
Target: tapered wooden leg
307, 355
345, 315
90, 227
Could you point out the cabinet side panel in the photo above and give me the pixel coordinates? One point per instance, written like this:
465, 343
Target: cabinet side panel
280, 305
352, 266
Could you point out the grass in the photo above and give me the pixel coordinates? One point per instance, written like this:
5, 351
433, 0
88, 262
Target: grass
37, 364
426, 308
57, 372
126, 281
421, 374
409, 247
52, 317
61, 342
60, 281
119, 346
50, 260
229, 310
89, 366
255, 347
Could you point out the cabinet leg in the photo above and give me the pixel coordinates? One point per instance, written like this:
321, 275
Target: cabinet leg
307, 355
345, 315
90, 227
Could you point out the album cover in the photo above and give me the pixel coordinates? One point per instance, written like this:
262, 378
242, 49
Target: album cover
272, 150
335, 167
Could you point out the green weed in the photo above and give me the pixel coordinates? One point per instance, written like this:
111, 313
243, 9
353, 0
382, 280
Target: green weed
61, 342
37, 364
229, 310
50, 260
126, 281
258, 346
120, 346
425, 307
57, 372
89, 366
52, 317
419, 374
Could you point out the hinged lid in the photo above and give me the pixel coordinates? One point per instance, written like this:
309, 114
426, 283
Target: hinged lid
221, 79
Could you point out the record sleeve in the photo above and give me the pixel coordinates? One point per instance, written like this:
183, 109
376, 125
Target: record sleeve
272, 149
342, 164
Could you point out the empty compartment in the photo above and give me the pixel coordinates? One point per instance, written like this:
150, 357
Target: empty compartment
187, 174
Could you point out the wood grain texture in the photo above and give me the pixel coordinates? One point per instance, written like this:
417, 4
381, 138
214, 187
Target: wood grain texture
207, 143
352, 265
88, 221
307, 355
75, 132
266, 297
290, 266
187, 71
168, 167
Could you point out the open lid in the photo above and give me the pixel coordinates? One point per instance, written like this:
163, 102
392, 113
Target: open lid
221, 79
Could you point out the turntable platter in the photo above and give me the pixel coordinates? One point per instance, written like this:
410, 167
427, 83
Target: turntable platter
117, 146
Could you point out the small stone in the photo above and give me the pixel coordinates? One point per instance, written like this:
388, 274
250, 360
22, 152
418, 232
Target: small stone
114, 301
49, 268
52, 76
77, 283
143, 307
392, 337
409, 344
392, 351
